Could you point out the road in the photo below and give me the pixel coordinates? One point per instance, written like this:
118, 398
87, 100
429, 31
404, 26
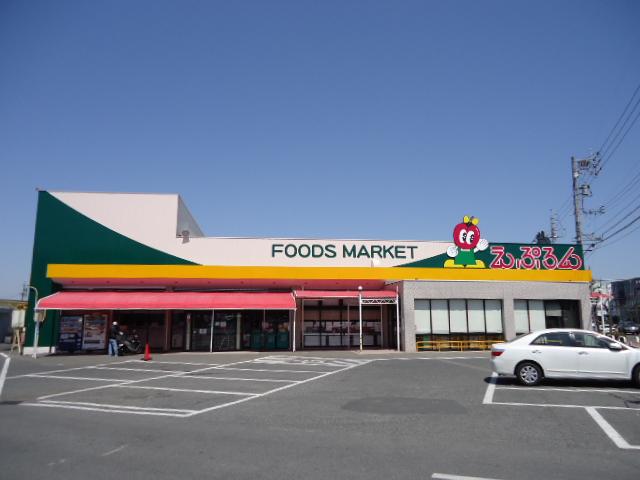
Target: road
313, 415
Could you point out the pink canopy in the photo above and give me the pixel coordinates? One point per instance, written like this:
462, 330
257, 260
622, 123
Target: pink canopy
167, 301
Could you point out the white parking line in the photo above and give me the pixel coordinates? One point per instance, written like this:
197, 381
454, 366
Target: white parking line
274, 390
488, 395
174, 363
115, 450
106, 405
444, 476
108, 410
608, 429
611, 432
119, 382
551, 389
272, 380
273, 370
3, 373
45, 401
62, 377
485, 357
171, 389
140, 370
561, 405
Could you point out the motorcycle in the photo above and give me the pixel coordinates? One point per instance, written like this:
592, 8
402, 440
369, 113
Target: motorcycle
128, 343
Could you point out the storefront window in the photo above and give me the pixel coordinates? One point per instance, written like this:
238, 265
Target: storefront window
532, 315
335, 324
423, 316
458, 319
225, 325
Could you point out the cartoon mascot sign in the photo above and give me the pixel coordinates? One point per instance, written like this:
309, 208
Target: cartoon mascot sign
466, 236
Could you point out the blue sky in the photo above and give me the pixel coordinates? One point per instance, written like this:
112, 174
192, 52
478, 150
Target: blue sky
337, 119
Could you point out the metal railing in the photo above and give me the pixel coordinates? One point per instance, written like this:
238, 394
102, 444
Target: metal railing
460, 345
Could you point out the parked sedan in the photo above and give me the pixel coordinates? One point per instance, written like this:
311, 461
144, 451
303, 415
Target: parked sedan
629, 328
565, 353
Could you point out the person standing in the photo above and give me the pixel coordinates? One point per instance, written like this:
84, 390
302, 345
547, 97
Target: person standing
113, 339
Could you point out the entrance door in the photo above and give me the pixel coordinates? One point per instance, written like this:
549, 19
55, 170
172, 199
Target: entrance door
201, 331
149, 326
265, 330
225, 327
178, 331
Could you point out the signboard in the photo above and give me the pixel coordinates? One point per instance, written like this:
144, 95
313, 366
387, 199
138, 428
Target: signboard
17, 318
471, 251
70, 338
95, 331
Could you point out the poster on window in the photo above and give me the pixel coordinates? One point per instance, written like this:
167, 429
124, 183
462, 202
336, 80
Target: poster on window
95, 331
70, 338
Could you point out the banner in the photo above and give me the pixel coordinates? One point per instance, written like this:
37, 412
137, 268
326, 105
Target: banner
70, 338
95, 331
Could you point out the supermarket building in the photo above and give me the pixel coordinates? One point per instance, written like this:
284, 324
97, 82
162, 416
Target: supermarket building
142, 260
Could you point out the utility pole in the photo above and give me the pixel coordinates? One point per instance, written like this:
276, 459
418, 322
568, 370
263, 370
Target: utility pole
591, 164
554, 227
577, 199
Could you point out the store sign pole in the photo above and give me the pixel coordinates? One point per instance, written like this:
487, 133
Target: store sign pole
294, 330
360, 313
36, 330
397, 320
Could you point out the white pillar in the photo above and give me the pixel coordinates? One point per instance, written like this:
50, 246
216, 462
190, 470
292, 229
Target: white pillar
294, 330
398, 322
360, 313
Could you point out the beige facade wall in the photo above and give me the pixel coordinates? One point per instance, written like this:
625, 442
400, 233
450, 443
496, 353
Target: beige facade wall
505, 291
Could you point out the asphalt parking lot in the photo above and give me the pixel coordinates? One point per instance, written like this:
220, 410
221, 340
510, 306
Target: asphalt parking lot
310, 415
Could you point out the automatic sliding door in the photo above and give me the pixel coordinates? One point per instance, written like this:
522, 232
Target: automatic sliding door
201, 331
225, 324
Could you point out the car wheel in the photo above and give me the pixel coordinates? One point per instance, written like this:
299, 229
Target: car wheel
529, 374
635, 376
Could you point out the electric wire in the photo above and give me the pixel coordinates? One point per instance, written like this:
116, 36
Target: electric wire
604, 154
602, 245
608, 157
601, 149
624, 214
623, 191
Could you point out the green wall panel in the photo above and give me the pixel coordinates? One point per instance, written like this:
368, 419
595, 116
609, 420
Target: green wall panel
64, 235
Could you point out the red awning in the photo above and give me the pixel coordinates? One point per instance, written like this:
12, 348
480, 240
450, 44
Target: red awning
344, 294
167, 301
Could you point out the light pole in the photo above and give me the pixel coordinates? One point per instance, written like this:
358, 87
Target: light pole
36, 331
360, 313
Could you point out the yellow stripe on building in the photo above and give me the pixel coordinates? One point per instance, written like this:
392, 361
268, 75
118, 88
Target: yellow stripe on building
67, 271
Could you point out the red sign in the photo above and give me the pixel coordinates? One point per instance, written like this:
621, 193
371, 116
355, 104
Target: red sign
535, 258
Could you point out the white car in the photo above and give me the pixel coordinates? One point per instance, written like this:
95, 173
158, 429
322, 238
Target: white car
565, 353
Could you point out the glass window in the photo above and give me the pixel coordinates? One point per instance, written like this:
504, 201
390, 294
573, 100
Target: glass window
536, 315
521, 315
422, 316
554, 339
588, 341
440, 316
554, 309
458, 315
476, 316
493, 311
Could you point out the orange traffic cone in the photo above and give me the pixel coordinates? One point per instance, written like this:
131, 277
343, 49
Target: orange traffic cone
147, 353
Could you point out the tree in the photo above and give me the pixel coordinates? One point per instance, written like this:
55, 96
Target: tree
541, 238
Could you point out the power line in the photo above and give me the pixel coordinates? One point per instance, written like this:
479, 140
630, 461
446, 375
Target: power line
601, 149
623, 191
591, 166
635, 119
622, 229
601, 245
604, 154
625, 215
